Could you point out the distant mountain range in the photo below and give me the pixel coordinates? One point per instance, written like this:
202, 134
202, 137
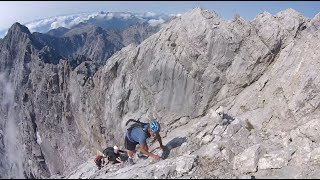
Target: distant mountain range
110, 20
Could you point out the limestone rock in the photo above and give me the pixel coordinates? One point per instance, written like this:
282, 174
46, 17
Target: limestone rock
247, 161
274, 160
65, 98
315, 155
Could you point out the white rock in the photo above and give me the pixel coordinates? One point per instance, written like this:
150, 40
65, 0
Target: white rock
184, 164
315, 155
247, 161
206, 139
274, 160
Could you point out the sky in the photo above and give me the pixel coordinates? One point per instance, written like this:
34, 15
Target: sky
26, 11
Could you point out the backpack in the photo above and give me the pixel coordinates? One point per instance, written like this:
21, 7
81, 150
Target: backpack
109, 152
137, 123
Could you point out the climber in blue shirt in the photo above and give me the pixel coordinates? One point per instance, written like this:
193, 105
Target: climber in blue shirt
138, 135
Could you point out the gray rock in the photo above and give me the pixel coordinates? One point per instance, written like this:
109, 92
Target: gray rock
206, 139
78, 91
311, 130
274, 160
247, 161
315, 155
184, 164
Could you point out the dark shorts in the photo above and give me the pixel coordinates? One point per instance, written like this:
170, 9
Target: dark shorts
130, 145
98, 163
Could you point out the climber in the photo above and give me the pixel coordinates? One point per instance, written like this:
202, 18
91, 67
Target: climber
113, 154
138, 134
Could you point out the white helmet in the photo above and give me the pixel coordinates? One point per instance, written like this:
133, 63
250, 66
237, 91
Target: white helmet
115, 148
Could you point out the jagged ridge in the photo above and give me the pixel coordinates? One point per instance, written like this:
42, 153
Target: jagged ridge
259, 71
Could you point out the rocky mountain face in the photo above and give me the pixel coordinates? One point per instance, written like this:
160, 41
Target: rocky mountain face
91, 41
35, 76
235, 99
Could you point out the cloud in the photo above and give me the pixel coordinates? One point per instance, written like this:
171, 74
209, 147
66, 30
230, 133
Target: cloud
150, 14
13, 149
126, 16
109, 16
71, 20
67, 21
177, 15
75, 21
3, 33
45, 25
33, 26
7, 90
155, 22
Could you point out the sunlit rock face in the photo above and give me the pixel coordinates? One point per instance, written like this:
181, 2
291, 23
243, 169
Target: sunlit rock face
235, 99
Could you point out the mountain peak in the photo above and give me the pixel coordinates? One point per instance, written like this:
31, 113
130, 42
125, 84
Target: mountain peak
289, 12
198, 9
200, 12
17, 27
317, 17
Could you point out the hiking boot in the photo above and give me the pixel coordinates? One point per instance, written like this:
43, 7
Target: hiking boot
142, 156
130, 160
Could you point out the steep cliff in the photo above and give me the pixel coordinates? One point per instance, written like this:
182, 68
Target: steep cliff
38, 72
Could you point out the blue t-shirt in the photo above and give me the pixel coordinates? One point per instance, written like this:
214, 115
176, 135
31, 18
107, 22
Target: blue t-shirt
138, 135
